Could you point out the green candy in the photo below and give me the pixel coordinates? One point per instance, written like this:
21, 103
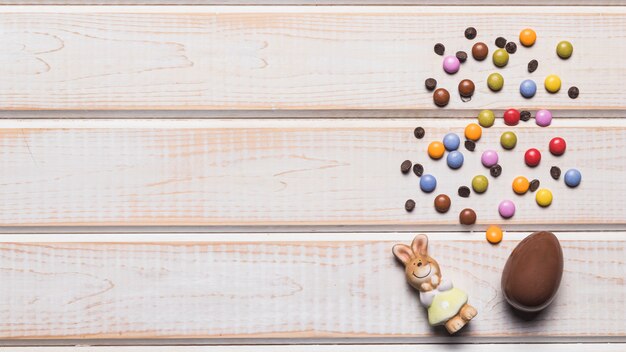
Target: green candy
564, 49
480, 184
486, 118
500, 58
495, 82
508, 140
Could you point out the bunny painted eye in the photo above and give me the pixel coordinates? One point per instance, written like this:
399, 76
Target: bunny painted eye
419, 264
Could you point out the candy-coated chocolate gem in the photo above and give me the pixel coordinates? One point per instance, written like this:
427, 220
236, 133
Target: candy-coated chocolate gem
455, 159
557, 146
572, 178
473, 132
486, 118
528, 88
500, 58
552, 83
493, 234
527, 37
495, 82
489, 158
506, 209
451, 141
543, 118
532, 157
480, 183
543, 197
564, 49
520, 185
511, 117
451, 64
428, 183
436, 150
508, 140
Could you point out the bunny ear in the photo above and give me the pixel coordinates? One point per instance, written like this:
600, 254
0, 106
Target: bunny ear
403, 253
420, 244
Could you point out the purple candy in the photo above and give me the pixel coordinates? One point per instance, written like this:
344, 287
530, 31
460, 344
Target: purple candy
489, 158
543, 118
451, 64
506, 209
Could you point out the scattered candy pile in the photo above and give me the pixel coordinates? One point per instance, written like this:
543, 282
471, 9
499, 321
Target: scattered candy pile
500, 58
490, 159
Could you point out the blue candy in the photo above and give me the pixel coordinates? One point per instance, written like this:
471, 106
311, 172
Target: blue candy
528, 88
455, 159
428, 183
451, 141
572, 178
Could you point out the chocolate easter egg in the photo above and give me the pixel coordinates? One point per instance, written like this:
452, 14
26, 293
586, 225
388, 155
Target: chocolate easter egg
532, 274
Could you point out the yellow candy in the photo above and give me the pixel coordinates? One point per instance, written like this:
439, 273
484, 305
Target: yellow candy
473, 132
494, 234
543, 197
436, 150
520, 185
552, 83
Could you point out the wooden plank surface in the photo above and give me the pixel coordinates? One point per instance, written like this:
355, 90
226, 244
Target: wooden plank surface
345, 286
333, 173
296, 58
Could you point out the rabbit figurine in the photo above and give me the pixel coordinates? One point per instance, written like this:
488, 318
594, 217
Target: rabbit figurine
447, 305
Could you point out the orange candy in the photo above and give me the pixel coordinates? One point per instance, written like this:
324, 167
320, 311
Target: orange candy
473, 132
436, 150
527, 37
494, 234
520, 185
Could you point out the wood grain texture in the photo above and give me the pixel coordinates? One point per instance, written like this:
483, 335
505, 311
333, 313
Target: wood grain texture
332, 173
293, 289
295, 58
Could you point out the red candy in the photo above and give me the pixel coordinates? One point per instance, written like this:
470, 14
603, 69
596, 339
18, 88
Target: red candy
532, 157
557, 146
511, 117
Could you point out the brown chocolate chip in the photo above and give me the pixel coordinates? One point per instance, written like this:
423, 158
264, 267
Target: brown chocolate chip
464, 191
470, 145
511, 47
419, 132
555, 172
442, 203
467, 216
409, 205
418, 170
500, 42
470, 33
534, 185
532, 65
430, 84
573, 92
441, 97
405, 167
439, 49
461, 55
524, 115
495, 170
480, 51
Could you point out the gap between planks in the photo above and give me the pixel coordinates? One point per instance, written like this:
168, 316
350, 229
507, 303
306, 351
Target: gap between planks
572, 347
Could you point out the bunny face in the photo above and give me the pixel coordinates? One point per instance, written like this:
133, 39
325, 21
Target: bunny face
422, 272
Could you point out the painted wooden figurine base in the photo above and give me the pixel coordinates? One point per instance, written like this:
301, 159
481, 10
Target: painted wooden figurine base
447, 305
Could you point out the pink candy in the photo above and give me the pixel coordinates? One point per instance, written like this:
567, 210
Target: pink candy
451, 64
489, 158
506, 209
543, 118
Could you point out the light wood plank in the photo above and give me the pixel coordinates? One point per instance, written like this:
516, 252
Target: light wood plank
292, 173
295, 58
271, 289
